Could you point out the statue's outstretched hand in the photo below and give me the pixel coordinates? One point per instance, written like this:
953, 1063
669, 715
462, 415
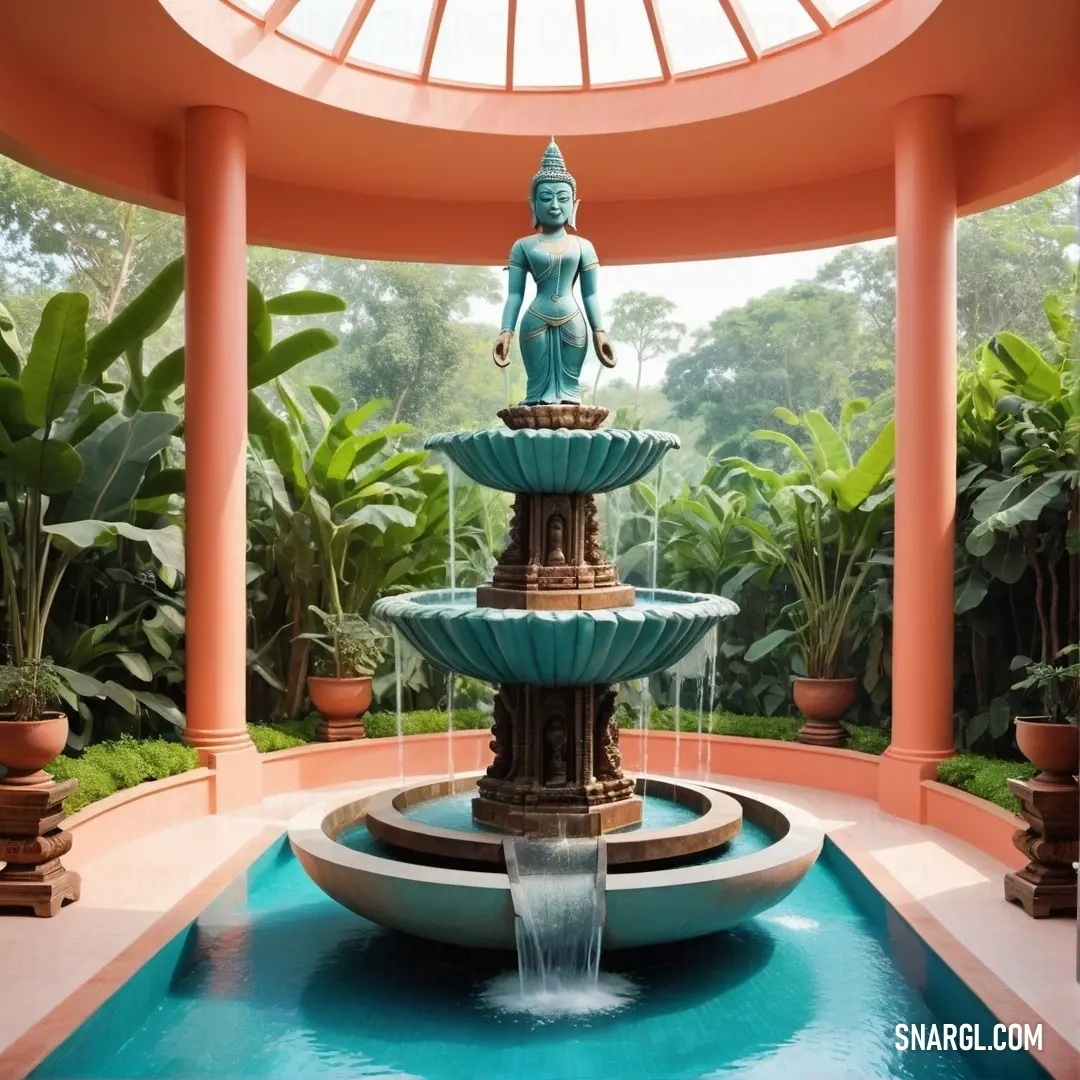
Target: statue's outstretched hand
604, 352
501, 352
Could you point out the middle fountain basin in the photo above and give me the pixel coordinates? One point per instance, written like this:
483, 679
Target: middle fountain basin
553, 648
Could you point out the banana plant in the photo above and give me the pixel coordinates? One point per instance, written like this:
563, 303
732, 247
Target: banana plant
345, 512
267, 360
820, 523
72, 464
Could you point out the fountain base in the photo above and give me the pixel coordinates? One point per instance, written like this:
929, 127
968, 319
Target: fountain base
557, 821
557, 768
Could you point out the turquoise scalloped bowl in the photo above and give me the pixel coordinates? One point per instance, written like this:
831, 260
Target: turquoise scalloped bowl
557, 462
553, 648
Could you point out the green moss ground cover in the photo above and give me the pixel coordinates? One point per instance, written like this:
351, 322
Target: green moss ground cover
985, 777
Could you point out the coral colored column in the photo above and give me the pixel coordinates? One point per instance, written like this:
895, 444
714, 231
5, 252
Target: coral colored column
215, 417
922, 661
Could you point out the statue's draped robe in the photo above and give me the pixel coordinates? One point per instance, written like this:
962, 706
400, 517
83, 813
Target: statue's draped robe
553, 334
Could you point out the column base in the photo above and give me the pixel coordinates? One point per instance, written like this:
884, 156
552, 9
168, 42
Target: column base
238, 778
900, 777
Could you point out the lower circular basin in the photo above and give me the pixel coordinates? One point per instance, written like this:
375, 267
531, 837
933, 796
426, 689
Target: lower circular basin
475, 908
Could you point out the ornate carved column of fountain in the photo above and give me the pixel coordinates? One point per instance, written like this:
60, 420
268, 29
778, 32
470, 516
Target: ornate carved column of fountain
1047, 885
31, 844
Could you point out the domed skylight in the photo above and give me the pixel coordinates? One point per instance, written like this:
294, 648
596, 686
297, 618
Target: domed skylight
550, 44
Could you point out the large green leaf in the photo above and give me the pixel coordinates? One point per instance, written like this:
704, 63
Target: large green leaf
94, 408
858, 483
57, 358
10, 349
260, 329
970, 593
163, 378
145, 315
12, 413
832, 451
851, 409
167, 544
785, 440
357, 449
763, 646
305, 302
286, 354
160, 704
1016, 511
45, 465
116, 456
278, 443
1034, 377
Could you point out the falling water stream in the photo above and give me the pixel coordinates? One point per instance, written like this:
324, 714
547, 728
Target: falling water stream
452, 571
398, 666
557, 888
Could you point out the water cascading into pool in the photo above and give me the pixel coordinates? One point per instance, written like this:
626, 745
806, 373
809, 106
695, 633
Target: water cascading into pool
557, 888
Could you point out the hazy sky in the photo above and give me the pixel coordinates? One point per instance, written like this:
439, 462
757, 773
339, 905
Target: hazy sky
700, 290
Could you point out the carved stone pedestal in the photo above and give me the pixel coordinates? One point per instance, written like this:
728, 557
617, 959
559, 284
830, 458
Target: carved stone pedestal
557, 768
31, 844
1047, 885
554, 561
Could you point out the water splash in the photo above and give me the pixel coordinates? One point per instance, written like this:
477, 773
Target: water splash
678, 716
452, 567
398, 665
699, 664
653, 576
712, 690
450, 726
644, 716
700, 717
506, 385
558, 894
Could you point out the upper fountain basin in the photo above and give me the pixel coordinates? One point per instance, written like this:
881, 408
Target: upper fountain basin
553, 648
555, 462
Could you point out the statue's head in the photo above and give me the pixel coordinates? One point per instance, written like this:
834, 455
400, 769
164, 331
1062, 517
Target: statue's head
553, 195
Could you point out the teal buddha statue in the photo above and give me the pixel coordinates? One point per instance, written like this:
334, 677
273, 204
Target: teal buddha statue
554, 334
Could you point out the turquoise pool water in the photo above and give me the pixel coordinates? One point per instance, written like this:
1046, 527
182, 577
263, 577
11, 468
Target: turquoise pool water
284, 983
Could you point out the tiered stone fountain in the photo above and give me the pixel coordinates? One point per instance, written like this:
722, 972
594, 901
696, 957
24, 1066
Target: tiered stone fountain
555, 631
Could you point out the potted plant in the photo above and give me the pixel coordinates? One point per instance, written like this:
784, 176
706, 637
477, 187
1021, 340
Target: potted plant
821, 523
32, 732
1051, 742
341, 691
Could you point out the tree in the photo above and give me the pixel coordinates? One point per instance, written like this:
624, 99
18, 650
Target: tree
641, 321
408, 339
53, 234
793, 347
1007, 260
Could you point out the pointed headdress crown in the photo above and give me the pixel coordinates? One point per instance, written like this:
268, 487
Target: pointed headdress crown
552, 170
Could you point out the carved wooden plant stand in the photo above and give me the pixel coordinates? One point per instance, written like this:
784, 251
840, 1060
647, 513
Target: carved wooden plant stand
31, 844
1047, 885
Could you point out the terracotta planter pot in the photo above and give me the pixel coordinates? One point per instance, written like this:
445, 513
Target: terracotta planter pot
340, 703
26, 745
1053, 748
823, 702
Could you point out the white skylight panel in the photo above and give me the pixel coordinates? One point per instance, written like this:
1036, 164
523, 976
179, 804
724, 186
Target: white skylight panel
471, 47
393, 35
259, 7
317, 21
546, 48
698, 35
835, 10
621, 46
774, 22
